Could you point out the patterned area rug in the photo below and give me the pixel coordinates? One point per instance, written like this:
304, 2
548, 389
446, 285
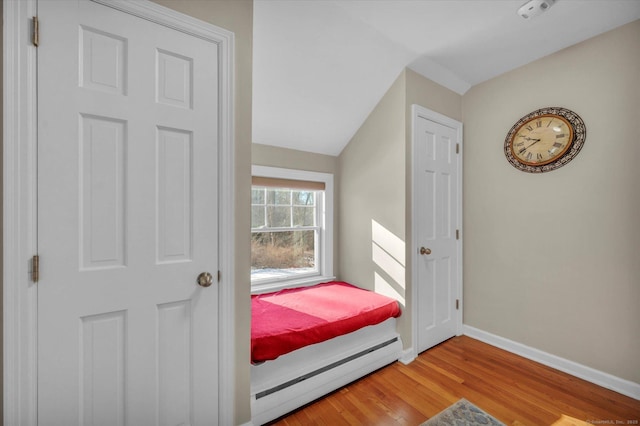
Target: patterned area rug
462, 413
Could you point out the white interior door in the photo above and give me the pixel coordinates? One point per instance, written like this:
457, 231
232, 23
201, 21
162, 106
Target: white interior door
127, 220
437, 196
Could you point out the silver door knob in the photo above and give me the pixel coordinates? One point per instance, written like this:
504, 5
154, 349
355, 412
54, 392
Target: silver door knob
425, 251
205, 279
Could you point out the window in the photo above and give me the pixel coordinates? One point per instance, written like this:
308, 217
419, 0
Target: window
291, 227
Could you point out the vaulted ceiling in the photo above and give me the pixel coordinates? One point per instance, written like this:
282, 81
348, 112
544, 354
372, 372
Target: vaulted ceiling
321, 66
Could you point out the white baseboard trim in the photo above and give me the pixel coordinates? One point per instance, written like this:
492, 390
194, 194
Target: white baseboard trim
407, 356
589, 374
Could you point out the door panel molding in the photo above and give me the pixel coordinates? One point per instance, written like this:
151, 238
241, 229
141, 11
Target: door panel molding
20, 201
417, 112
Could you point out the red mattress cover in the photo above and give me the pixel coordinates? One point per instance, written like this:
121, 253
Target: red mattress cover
290, 319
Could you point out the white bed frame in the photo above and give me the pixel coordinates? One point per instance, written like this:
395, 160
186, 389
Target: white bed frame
301, 376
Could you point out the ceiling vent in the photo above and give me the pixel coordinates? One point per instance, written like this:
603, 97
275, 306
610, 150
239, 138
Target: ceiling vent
534, 8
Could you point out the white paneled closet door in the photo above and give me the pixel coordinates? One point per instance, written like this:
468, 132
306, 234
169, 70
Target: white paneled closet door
438, 200
127, 220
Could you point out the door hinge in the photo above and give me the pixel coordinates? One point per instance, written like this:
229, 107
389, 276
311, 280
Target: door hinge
35, 37
219, 276
457, 303
457, 148
35, 268
457, 234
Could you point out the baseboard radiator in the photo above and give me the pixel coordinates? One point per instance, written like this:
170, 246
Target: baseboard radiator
324, 369
301, 377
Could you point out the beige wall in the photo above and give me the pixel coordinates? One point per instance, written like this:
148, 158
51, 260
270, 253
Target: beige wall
265, 155
236, 16
551, 260
428, 94
372, 170
375, 190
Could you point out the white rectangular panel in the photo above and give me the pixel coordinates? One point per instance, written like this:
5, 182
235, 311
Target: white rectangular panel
103, 61
444, 149
174, 84
102, 369
443, 205
428, 295
175, 198
429, 141
174, 363
427, 207
443, 290
102, 192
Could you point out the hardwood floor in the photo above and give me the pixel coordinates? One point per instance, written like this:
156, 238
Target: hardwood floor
513, 389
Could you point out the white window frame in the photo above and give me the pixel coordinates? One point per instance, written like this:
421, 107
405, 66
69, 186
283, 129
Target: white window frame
325, 234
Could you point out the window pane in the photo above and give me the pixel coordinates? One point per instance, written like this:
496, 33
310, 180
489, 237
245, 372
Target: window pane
278, 217
279, 196
304, 216
304, 198
257, 195
279, 254
257, 216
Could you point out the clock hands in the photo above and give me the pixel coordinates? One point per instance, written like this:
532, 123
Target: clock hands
535, 141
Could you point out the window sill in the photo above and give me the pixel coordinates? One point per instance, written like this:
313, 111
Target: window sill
280, 285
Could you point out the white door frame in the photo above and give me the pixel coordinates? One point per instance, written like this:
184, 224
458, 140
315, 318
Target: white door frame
20, 201
418, 111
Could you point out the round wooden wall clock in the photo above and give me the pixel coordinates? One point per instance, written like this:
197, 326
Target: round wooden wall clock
545, 140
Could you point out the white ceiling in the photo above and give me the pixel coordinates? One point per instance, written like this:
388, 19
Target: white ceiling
321, 66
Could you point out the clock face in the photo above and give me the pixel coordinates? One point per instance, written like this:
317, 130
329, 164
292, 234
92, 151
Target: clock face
542, 140
545, 140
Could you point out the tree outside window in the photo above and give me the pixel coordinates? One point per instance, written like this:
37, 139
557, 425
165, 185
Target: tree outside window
284, 232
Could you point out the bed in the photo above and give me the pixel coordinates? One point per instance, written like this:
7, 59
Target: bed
306, 342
